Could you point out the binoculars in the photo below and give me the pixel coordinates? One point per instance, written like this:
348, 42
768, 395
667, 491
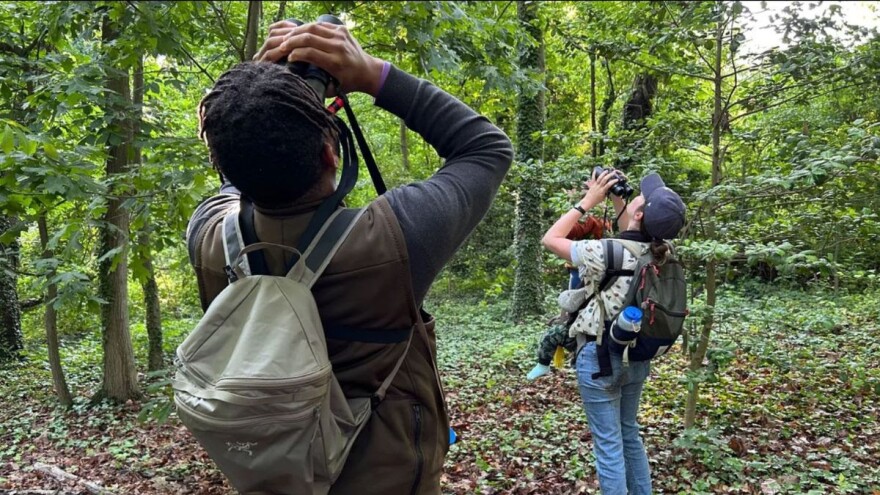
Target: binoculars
318, 79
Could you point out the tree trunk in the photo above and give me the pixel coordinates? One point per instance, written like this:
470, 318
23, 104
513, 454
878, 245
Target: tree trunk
530, 154
11, 342
253, 28
50, 321
635, 114
594, 149
404, 145
696, 364
607, 103
640, 104
155, 358
120, 377
282, 6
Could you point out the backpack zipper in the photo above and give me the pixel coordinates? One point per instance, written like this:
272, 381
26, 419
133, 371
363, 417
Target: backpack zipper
309, 411
652, 305
319, 377
420, 460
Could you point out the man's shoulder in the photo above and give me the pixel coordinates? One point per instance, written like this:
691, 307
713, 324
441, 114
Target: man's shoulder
206, 218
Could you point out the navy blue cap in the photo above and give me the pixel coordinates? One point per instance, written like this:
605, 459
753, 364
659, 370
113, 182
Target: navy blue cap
664, 210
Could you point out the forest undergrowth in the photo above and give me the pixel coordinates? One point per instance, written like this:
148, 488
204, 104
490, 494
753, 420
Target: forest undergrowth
791, 407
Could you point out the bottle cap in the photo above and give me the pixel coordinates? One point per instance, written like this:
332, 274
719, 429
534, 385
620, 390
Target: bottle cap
632, 314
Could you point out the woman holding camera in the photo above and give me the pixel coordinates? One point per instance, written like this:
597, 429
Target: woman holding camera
612, 402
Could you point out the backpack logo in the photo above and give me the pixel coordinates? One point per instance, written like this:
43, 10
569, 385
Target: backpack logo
241, 447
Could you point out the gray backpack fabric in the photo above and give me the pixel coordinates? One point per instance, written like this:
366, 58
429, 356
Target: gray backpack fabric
254, 383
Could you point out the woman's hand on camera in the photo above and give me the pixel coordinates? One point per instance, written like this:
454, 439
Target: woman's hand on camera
597, 189
330, 47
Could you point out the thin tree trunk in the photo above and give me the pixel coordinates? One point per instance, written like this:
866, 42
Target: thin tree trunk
404, 145
530, 153
282, 6
50, 321
11, 342
120, 377
699, 354
253, 28
607, 103
594, 149
155, 355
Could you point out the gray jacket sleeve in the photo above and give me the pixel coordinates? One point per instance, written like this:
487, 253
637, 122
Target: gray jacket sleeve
438, 214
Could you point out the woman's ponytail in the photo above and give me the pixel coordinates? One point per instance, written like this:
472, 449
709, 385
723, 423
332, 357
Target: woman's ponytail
659, 247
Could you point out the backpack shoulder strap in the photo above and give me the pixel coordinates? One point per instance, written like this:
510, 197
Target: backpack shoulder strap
613, 269
318, 254
233, 243
248, 235
315, 259
637, 249
613, 263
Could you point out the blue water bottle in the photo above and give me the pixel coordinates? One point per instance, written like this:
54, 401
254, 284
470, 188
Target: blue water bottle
452, 436
627, 326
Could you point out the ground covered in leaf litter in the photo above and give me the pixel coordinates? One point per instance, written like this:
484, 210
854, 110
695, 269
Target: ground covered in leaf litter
793, 408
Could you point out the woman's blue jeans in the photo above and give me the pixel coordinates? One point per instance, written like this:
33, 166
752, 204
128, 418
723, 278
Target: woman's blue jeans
612, 404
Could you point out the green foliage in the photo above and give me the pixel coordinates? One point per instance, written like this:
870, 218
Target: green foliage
791, 403
788, 216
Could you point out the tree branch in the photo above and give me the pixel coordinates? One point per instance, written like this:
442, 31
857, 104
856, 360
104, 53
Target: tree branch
503, 11
610, 76
833, 78
224, 26
691, 40
795, 97
704, 153
664, 70
193, 59
29, 304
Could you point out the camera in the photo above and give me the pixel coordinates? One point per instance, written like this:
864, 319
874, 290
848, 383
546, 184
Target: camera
316, 77
621, 189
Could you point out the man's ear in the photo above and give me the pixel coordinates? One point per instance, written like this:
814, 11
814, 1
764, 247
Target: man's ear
329, 159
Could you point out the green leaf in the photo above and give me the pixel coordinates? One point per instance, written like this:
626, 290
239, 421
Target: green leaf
55, 185
50, 150
8, 143
28, 146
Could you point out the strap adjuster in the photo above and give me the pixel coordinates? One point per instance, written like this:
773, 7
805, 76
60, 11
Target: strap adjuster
230, 273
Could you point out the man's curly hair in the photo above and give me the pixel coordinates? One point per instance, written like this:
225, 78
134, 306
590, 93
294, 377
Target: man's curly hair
265, 130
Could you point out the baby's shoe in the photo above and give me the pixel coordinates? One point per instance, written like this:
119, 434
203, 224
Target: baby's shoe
538, 371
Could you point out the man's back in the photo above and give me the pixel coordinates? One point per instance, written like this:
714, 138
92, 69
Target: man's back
370, 296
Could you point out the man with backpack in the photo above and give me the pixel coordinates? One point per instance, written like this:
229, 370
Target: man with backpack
637, 269
276, 145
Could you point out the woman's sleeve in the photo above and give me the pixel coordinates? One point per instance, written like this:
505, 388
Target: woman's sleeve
589, 254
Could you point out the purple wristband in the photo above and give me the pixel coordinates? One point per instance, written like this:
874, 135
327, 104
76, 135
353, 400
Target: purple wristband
386, 68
